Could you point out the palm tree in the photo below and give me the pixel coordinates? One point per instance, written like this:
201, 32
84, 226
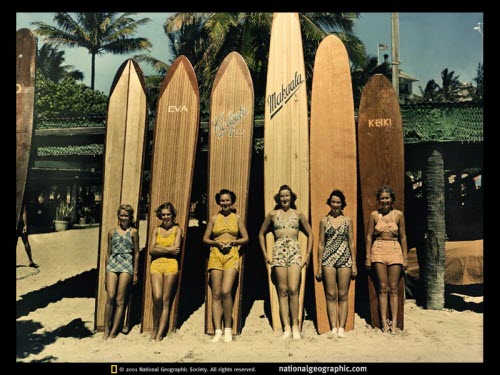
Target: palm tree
361, 73
434, 264
49, 61
206, 39
99, 33
450, 86
431, 92
478, 95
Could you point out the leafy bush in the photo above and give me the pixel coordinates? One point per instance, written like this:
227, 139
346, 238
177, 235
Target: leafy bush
64, 211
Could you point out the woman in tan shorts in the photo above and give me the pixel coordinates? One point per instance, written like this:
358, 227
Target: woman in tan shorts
386, 251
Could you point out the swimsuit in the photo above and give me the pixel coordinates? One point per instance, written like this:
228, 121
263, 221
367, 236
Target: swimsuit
337, 253
230, 260
120, 259
387, 251
286, 251
165, 265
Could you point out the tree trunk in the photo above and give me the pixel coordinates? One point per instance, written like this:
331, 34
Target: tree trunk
92, 72
435, 232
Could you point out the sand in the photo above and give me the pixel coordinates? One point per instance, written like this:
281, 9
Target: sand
55, 316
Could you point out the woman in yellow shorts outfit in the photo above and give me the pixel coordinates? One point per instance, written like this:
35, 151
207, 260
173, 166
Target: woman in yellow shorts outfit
225, 234
164, 266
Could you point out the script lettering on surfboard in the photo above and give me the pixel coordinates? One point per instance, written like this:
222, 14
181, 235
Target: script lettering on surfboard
379, 122
228, 126
278, 99
174, 108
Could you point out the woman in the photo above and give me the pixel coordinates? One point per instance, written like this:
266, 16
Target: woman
225, 233
164, 250
337, 260
287, 261
122, 263
386, 254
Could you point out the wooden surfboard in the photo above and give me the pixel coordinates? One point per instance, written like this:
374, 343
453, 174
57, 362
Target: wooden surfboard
381, 162
229, 156
25, 104
123, 164
333, 153
172, 166
286, 134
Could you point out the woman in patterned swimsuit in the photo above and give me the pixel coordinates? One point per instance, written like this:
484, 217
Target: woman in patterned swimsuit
164, 266
225, 234
287, 261
386, 254
338, 260
122, 262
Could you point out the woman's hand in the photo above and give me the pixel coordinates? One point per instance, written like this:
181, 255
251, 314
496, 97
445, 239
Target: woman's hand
354, 271
368, 264
405, 263
319, 274
134, 279
175, 251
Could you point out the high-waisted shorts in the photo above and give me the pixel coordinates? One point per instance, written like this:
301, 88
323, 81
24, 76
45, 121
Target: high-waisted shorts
164, 266
220, 261
286, 252
387, 252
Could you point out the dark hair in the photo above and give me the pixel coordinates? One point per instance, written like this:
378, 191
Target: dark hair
340, 194
386, 189
130, 211
277, 197
166, 206
226, 191
222, 192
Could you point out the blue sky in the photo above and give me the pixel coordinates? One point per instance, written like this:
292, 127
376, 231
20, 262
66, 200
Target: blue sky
428, 43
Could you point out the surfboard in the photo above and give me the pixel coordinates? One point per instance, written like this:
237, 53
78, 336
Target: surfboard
172, 166
381, 162
286, 135
123, 165
230, 138
25, 104
333, 153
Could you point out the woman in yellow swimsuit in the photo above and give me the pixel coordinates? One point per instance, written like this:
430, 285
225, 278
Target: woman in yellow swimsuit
386, 229
225, 234
164, 268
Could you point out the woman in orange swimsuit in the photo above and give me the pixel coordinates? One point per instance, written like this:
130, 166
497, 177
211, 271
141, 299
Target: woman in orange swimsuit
386, 250
164, 250
225, 234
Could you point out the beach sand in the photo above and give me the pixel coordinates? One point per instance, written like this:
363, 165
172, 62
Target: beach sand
55, 317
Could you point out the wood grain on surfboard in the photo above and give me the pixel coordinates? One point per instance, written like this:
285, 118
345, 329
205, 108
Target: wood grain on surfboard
230, 151
332, 152
172, 166
381, 162
286, 134
123, 163
25, 104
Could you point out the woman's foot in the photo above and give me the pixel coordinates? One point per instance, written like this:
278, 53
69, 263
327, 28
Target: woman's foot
228, 334
296, 333
217, 336
105, 336
341, 333
287, 332
153, 336
394, 327
34, 265
385, 325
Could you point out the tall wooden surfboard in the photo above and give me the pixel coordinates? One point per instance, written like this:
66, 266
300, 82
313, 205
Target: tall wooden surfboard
123, 163
381, 162
333, 153
230, 151
172, 166
25, 104
286, 134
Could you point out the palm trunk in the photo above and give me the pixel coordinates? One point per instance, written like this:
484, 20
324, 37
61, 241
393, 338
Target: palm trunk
92, 72
435, 232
